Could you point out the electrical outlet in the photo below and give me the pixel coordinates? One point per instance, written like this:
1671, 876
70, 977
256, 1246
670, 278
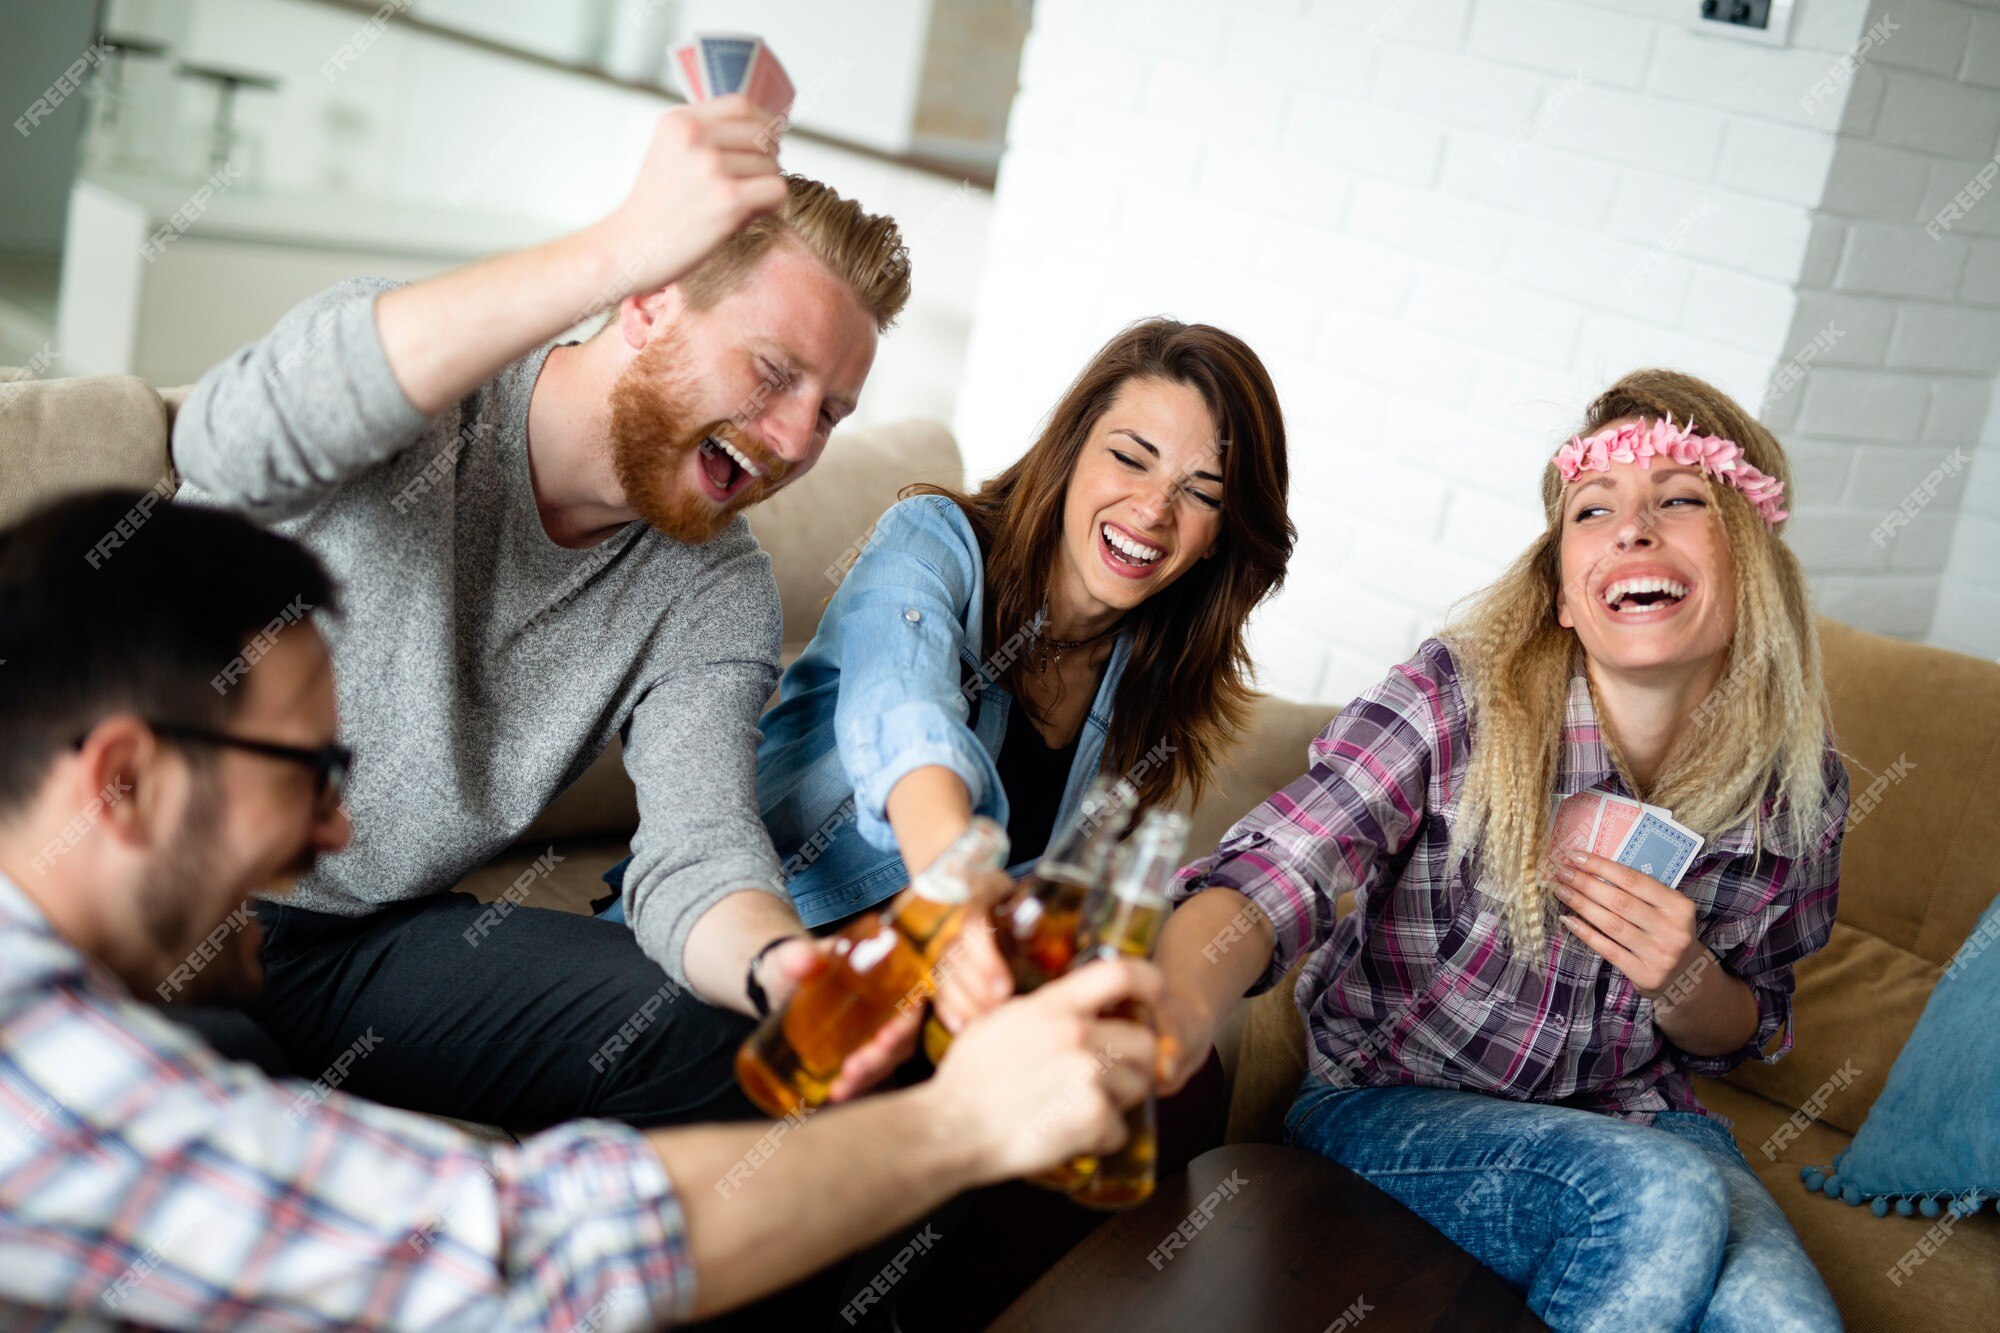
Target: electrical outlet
1752, 20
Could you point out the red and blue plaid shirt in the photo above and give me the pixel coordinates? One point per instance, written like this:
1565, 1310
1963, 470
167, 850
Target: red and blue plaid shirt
145, 1179
1418, 985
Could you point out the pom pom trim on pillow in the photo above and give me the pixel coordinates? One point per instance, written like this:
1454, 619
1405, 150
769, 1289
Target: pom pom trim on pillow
1930, 1203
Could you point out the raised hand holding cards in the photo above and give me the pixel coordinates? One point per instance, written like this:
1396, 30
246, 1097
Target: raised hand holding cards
718, 64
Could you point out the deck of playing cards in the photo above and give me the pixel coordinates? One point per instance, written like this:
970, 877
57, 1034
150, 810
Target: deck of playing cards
1644, 837
718, 64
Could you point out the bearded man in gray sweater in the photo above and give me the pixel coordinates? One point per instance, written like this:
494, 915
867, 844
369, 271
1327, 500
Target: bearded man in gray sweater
540, 547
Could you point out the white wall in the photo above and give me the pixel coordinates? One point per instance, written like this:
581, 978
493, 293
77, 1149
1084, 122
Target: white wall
1444, 224
421, 121
1888, 418
1968, 605
1968, 609
857, 66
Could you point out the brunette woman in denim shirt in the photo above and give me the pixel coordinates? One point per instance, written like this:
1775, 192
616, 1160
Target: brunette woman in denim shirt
987, 654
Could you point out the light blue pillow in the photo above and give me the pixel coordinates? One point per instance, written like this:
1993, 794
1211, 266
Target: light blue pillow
1931, 1142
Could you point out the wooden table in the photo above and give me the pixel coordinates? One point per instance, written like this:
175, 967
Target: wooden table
1292, 1244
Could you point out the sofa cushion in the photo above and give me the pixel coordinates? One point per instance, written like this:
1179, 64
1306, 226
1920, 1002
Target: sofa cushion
1270, 1064
816, 527
61, 436
1269, 753
569, 883
1919, 731
1858, 1001
1956, 1286
1916, 864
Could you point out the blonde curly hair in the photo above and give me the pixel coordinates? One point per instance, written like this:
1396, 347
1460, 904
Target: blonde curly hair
1759, 734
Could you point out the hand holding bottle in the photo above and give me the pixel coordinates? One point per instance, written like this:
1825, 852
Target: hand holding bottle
1044, 1077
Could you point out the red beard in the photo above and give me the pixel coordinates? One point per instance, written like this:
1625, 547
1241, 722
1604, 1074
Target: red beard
653, 432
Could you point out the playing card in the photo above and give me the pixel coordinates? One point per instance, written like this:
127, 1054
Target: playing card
718, 64
1658, 846
1575, 819
768, 85
687, 56
725, 62
1614, 822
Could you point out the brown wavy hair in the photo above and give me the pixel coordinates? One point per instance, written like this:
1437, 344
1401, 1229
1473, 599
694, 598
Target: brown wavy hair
1187, 680
1752, 749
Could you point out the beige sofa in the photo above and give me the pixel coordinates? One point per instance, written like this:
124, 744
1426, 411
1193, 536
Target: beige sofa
1918, 867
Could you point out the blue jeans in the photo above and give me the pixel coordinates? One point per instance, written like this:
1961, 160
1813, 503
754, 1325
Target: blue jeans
1600, 1223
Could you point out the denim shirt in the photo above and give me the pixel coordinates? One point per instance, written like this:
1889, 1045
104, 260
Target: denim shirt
897, 678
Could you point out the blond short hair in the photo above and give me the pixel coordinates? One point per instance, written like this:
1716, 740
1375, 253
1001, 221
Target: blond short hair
864, 250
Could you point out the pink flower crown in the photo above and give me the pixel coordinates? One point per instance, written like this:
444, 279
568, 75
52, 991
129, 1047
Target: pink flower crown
1642, 441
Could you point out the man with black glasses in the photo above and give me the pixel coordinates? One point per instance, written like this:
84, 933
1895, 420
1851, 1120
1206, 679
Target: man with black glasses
145, 1180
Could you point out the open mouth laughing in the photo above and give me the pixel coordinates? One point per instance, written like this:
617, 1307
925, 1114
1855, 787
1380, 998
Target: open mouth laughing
1125, 553
1633, 596
724, 469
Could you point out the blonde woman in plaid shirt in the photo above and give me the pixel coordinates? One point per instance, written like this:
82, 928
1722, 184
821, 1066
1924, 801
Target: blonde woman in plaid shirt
1504, 1039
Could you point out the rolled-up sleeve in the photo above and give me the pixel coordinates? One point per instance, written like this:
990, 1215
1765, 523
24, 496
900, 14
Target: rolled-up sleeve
1761, 948
1360, 801
900, 615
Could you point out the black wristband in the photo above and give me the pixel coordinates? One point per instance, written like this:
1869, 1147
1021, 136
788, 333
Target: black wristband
751, 987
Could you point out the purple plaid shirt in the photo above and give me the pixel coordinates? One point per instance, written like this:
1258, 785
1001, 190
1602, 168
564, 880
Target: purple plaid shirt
1417, 985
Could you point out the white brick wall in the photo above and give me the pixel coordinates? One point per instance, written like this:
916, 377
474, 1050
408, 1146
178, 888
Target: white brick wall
1445, 224
1906, 392
1968, 606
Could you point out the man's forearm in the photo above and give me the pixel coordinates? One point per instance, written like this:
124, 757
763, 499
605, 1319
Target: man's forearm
725, 939
446, 336
767, 1204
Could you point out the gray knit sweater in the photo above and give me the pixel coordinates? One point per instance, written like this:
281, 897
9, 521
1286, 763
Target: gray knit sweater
481, 668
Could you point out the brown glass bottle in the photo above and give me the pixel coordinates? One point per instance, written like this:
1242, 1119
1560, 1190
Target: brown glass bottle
1127, 922
1037, 928
878, 966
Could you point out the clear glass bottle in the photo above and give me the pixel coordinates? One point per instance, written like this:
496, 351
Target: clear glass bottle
1128, 924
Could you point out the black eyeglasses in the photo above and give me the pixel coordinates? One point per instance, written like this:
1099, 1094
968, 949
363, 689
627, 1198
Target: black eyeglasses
330, 764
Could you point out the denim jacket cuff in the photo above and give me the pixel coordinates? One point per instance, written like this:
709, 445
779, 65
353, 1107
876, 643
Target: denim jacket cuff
908, 737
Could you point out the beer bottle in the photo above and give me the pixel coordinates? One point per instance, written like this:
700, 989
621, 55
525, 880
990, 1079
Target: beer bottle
879, 966
1036, 928
1041, 923
1128, 924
